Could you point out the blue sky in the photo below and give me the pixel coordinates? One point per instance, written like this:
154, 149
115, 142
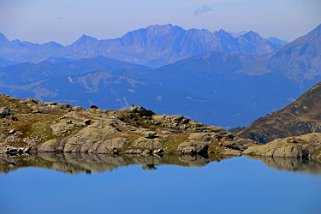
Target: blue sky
66, 20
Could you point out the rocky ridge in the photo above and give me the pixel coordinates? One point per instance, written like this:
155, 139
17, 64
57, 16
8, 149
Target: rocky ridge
301, 147
303, 116
39, 127
32, 126
292, 132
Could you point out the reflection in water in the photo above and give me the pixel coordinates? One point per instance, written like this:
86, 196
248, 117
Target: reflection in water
292, 164
76, 163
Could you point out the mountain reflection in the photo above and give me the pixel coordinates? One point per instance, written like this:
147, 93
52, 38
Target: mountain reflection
84, 163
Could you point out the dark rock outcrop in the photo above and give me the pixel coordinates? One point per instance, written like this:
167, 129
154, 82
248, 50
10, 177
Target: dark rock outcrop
6, 113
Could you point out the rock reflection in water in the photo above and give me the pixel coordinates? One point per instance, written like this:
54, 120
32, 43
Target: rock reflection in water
85, 163
76, 163
292, 164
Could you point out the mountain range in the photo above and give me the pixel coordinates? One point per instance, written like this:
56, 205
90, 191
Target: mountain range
244, 77
154, 46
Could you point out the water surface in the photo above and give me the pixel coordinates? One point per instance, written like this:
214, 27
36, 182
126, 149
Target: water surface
139, 184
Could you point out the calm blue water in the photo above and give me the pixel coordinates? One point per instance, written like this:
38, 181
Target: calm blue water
238, 185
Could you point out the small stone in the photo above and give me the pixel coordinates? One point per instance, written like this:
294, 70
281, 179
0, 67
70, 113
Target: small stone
33, 112
87, 122
77, 108
140, 111
51, 103
193, 148
20, 150
11, 150
115, 152
133, 151
158, 151
64, 106
93, 107
12, 131
4, 112
68, 122
296, 140
26, 150
146, 152
31, 100
12, 117
150, 134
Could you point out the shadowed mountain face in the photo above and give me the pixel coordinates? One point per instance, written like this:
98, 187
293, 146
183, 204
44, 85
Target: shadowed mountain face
153, 46
300, 117
300, 59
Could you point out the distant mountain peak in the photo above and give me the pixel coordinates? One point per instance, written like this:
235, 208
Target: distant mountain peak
316, 30
238, 34
251, 35
3, 38
85, 39
154, 45
276, 41
300, 59
157, 26
223, 33
53, 44
163, 28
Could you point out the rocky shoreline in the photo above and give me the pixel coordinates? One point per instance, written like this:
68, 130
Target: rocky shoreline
31, 126
303, 147
40, 127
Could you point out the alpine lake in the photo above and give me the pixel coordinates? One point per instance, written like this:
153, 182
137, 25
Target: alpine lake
69, 183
